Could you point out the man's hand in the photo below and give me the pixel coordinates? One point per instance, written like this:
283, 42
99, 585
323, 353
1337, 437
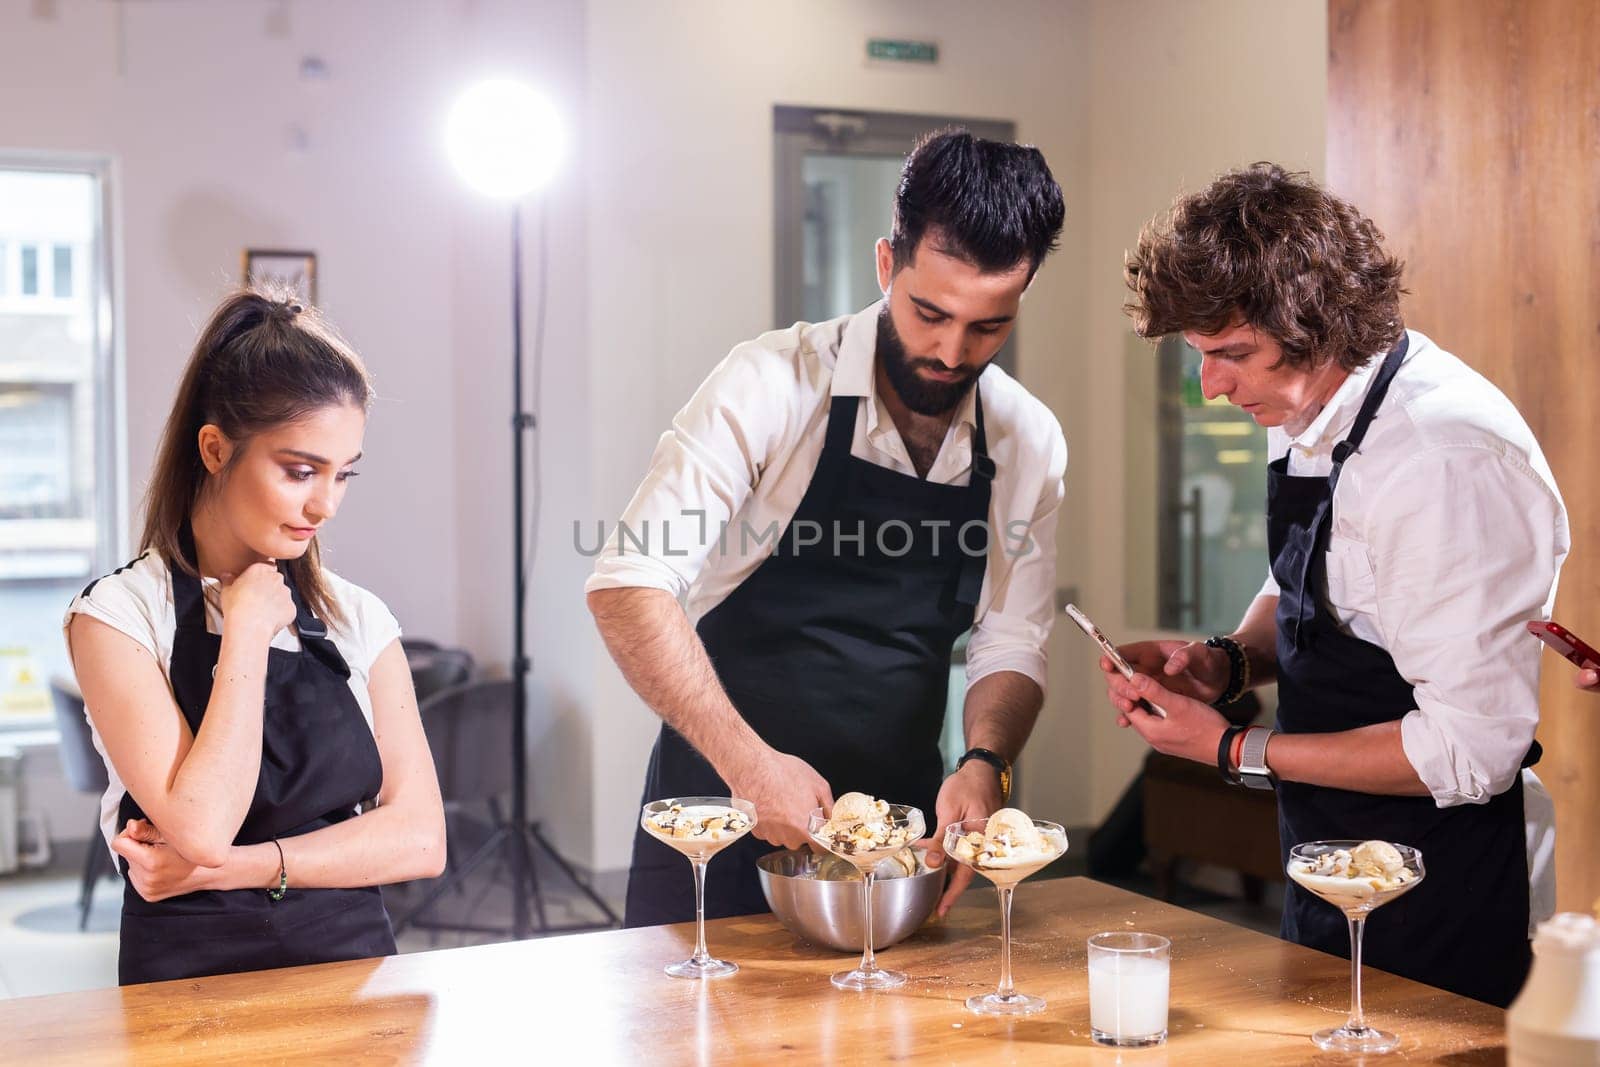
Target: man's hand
1588, 680
1191, 729
973, 792
155, 868
785, 790
1191, 668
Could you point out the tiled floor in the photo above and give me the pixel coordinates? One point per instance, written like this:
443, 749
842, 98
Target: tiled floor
42, 950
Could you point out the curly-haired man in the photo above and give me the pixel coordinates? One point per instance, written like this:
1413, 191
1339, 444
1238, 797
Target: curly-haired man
1413, 527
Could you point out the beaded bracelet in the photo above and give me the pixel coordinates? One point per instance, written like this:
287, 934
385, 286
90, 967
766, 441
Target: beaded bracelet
1238, 670
283, 876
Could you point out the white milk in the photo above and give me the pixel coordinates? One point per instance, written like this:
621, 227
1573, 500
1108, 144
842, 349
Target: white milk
1128, 996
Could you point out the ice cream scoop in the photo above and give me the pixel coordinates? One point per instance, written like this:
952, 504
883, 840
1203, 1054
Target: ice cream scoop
861, 824
857, 807
1377, 859
1024, 837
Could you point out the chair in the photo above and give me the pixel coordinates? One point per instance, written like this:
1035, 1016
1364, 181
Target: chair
86, 773
436, 669
467, 726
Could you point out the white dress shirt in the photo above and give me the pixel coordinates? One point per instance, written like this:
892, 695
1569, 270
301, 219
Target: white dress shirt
731, 471
1448, 535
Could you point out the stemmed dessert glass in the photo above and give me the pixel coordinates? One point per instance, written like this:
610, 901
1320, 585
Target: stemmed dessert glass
908, 822
1005, 1000
1356, 897
699, 851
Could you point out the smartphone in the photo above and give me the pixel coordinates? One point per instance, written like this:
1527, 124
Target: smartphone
1087, 625
1569, 645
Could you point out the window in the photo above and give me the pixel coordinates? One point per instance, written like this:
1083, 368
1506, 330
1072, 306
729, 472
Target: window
1197, 545
30, 270
59, 509
63, 279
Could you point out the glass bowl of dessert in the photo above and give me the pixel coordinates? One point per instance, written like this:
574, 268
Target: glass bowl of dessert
865, 831
1355, 877
699, 827
1005, 848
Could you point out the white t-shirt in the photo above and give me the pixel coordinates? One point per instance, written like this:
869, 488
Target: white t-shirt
137, 600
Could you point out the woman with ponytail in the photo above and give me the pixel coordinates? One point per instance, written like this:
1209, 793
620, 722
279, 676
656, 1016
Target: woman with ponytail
268, 769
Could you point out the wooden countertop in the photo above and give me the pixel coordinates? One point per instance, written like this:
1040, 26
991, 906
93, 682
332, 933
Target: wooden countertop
1238, 997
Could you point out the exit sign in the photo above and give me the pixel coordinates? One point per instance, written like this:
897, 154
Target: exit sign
902, 51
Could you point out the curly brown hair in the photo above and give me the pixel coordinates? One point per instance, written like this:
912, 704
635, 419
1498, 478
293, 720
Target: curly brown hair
1272, 246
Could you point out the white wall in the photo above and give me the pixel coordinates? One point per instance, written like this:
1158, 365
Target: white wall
220, 143
661, 244
199, 105
679, 118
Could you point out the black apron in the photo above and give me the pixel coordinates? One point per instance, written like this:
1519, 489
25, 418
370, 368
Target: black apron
1465, 928
837, 652
318, 761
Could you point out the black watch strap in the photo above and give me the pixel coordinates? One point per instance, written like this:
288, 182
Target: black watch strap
1224, 748
993, 759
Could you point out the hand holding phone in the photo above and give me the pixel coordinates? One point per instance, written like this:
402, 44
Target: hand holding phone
1087, 625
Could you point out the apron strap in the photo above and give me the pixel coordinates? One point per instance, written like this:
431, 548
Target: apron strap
188, 598
312, 630
979, 487
841, 427
1369, 409
1341, 452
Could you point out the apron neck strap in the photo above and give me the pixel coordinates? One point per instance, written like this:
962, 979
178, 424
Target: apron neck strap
1369, 406
982, 466
306, 623
969, 586
188, 600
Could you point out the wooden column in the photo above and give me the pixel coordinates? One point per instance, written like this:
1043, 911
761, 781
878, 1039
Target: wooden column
1469, 130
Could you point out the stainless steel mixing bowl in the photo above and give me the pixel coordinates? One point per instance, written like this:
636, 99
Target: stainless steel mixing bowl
829, 913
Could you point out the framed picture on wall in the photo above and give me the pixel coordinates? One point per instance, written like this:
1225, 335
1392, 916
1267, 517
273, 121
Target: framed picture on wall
277, 266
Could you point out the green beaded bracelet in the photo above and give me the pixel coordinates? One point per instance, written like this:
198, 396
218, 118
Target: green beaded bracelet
283, 876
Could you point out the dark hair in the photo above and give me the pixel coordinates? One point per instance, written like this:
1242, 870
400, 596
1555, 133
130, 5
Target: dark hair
988, 203
1272, 246
263, 360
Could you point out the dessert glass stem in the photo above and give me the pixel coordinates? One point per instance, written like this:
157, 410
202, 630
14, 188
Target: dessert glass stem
700, 953
1358, 925
869, 960
1006, 988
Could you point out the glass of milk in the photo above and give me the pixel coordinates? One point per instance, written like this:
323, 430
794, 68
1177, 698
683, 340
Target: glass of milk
1128, 980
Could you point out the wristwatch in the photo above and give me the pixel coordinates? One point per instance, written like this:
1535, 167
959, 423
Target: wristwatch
1253, 769
995, 760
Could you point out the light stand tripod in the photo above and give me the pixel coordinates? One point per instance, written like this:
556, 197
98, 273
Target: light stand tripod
517, 838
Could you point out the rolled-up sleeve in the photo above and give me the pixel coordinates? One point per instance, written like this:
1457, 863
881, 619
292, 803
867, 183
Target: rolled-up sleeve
1465, 548
1014, 629
702, 471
